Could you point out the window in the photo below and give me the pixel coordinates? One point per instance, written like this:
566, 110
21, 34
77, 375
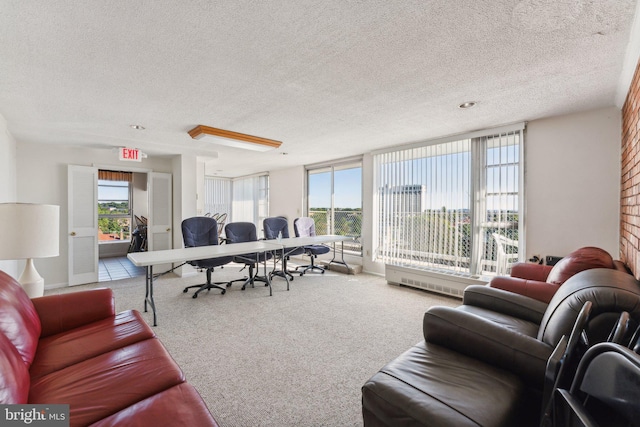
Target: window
453, 205
251, 199
114, 206
217, 195
335, 201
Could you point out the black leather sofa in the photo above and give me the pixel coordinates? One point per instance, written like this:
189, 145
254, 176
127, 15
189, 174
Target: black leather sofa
483, 363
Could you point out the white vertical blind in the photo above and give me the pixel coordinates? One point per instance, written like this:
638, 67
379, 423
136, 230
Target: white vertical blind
217, 195
250, 199
448, 205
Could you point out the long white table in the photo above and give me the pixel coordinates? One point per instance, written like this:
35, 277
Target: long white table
182, 255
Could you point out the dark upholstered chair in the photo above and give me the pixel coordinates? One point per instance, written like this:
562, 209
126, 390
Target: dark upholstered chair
305, 227
273, 228
203, 231
484, 362
542, 281
240, 232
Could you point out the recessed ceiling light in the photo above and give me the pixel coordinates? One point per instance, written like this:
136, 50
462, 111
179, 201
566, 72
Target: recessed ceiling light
137, 127
466, 105
284, 154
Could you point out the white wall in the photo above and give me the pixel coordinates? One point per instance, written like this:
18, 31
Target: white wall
572, 186
573, 183
8, 183
42, 178
286, 194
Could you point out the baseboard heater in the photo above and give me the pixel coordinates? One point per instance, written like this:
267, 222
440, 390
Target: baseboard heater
442, 283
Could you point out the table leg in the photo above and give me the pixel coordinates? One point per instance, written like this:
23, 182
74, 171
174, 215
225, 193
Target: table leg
343, 262
148, 298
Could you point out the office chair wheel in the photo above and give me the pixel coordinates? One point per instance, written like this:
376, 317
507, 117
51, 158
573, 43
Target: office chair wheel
224, 291
185, 290
194, 296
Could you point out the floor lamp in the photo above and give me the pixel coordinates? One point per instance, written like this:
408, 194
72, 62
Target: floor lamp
29, 231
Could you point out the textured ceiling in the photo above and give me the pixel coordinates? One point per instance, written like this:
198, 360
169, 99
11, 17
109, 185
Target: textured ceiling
328, 78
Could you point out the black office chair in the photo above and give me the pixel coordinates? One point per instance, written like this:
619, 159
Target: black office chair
203, 231
275, 227
239, 232
305, 227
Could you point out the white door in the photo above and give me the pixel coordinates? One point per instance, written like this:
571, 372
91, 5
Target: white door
159, 230
83, 224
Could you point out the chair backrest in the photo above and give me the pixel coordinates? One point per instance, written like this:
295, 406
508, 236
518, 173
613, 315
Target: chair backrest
304, 227
199, 231
504, 258
274, 226
238, 232
604, 391
610, 291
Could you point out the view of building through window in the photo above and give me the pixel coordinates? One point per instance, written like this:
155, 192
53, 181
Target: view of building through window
335, 202
453, 206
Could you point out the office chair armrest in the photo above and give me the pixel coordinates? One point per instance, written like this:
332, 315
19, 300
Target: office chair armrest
488, 341
505, 302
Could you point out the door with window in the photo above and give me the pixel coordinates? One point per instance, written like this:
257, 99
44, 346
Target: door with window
334, 201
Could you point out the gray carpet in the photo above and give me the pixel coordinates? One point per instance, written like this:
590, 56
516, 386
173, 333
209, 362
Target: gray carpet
297, 358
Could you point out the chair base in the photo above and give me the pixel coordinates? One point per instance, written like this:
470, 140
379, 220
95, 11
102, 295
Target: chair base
311, 268
208, 286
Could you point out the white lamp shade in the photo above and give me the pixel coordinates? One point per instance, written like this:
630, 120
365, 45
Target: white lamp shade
29, 231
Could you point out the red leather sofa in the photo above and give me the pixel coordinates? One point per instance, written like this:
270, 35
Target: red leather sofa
541, 282
109, 368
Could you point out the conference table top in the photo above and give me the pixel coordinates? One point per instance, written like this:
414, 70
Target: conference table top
149, 258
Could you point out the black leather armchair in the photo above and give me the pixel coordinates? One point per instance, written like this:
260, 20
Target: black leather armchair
484, 362
203, 231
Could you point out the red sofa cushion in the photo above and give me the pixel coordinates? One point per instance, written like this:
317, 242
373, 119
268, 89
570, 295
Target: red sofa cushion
19, 321
67, 348
577, 261
14, 376
179, 405
108, 383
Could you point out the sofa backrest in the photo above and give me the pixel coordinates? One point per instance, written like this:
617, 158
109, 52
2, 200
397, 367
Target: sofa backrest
579, 260
14, 376
19, 321
610, 291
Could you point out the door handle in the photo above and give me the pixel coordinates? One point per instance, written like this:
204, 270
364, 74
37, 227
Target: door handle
168, 230
73, 233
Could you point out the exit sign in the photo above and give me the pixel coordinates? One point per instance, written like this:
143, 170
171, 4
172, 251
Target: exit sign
130, 154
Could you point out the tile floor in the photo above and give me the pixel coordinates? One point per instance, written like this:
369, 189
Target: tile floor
117, 268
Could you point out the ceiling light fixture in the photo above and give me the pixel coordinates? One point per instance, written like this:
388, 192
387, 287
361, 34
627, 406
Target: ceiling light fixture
137, 127
467, 104
233, 139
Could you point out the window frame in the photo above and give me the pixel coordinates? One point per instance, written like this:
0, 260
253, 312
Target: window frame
332, 167
479, 191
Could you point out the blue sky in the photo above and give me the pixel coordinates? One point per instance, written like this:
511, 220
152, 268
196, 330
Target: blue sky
347, 189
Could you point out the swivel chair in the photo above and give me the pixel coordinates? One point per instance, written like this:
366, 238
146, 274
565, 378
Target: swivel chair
203, 231
239, 232
275, 227
306, 227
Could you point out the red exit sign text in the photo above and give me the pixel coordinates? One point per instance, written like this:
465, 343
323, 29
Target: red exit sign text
130, 154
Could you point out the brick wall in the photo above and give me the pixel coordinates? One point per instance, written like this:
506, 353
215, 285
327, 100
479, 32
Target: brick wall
630, 178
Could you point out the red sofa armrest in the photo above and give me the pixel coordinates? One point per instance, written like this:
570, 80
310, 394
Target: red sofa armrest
529, 271
59, 313
541, 291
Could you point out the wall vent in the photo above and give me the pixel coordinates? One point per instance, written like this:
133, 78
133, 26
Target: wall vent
441, 283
